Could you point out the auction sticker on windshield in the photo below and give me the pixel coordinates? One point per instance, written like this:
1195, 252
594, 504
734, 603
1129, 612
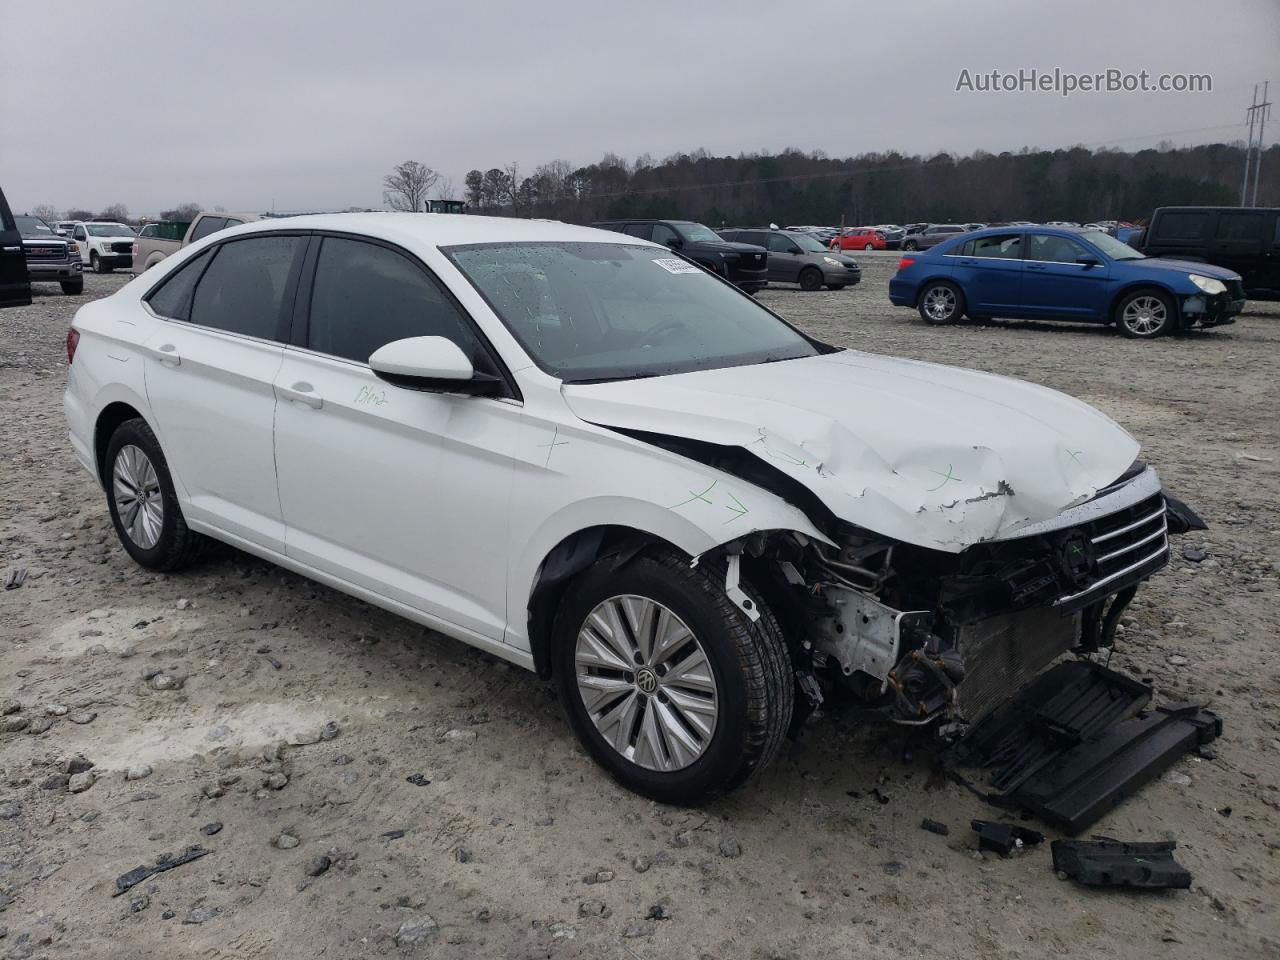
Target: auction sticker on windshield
674, 265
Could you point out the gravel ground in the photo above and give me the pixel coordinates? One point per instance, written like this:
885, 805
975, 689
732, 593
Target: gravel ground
432, 799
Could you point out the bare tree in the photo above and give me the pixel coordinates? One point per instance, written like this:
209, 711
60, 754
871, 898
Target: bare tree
405, 187
444, 188
117, 211
45, 211
79, 214
182, 213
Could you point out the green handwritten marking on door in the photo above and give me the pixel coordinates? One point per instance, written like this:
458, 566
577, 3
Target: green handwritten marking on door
948, 476
1075, 455
371, 398
739, 510
696, 496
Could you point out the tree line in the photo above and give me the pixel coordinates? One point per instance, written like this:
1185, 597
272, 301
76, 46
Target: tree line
797, 187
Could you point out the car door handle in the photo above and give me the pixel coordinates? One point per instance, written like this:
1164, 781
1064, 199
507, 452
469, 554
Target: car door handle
302, 392
1035, 266
165, 353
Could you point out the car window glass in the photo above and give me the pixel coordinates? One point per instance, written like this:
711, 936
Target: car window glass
640, 230
206, 226
173, 297
148, 231
1239, 226
366, 296
664, 234
1181, 225
778, 244
1005, 246
965, 249
232, 222
243, 290
79, 234
1053, 249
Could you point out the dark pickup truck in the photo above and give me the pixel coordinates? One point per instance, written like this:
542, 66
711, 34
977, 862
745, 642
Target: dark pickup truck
50, 258
1243, 239
742, 264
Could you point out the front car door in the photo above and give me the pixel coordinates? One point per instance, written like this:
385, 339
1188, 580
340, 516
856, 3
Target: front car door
989, 271
785, 259
15, 284
399, 492
80, 236
1238, 243
1056, 284
210, 371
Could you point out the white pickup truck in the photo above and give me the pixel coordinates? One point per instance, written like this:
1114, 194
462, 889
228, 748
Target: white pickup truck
149, 248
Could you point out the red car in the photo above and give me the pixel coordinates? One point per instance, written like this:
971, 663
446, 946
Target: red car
859, 238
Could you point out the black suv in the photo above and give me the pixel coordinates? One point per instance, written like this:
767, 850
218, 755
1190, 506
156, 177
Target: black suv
1243, 239
743, 264
49, 256
15, 285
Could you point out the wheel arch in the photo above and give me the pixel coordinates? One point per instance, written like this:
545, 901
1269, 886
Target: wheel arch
105, 424
1146, 283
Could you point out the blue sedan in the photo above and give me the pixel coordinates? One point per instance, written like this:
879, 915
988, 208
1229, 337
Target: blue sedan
1064, 273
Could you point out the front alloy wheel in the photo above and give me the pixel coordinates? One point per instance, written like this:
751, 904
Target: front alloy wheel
646, 683
1145, 315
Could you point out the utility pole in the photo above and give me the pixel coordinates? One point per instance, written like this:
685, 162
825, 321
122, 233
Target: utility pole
1264, 112
1257, 114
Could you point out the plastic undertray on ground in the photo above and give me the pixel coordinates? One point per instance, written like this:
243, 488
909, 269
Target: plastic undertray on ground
1077, 741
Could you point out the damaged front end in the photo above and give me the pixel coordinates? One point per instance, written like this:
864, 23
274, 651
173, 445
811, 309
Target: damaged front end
918, 635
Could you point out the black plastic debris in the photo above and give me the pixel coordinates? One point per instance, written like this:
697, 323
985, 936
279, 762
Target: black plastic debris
1078, 741
418, 780
127, 881
933, 826
1002, 838
1110, 863
15, 578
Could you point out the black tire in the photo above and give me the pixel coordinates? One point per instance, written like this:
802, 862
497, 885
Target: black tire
869, 247
1145, 314
72, 287
177, 546
910, 245
810, 278
939, 291
95, 262
755, 688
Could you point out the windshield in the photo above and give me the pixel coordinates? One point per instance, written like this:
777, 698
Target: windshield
611, 311
33, 228
108, 230
699, 234
1112, 247
807, 242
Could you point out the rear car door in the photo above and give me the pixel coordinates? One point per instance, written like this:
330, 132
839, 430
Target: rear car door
15, 284
401, 492
1181, 234
989, 270
1056, 284
210, 371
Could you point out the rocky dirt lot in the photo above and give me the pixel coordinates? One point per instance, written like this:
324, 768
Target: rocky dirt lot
366, 788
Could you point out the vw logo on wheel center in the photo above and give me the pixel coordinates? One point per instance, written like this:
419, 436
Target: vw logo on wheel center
646, 680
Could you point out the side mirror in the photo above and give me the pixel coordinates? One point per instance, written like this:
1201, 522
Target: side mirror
430, 364
1087, 262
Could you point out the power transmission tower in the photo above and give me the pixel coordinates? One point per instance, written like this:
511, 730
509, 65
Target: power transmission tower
1257, 114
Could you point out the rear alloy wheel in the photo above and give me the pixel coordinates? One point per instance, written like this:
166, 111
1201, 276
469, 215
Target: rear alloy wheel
143, 504
941, 303
810, 278
669, 685
1145, 315
910, 245
869, 247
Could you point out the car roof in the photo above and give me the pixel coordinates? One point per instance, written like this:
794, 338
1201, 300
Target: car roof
440, 229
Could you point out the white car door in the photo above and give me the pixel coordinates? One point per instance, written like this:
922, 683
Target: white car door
210, 367
400, 492
81, 238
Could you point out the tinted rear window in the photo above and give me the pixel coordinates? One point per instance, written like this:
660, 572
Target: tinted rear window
206, 226
1239, 226
173, 297
243, 290
1181, 226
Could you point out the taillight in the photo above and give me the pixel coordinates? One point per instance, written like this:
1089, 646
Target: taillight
73, 341
135, 248
905, 262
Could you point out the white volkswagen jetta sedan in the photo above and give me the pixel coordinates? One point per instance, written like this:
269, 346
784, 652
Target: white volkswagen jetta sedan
588, 456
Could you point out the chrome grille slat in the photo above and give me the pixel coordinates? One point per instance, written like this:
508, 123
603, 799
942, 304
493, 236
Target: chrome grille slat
1127, 548
1111, 578
1101, 538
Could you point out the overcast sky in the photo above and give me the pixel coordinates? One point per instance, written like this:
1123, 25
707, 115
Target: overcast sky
305, 105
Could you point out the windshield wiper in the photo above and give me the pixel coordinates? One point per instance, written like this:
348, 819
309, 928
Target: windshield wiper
642, 375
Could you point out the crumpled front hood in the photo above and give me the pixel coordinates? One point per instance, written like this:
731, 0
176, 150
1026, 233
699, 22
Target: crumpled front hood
932, 455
